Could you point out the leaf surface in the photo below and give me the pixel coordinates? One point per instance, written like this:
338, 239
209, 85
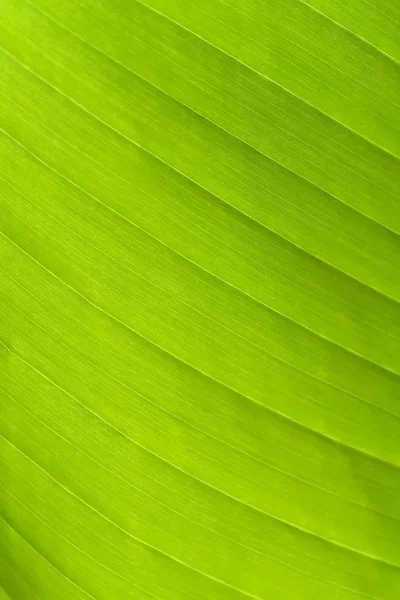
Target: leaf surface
200, 300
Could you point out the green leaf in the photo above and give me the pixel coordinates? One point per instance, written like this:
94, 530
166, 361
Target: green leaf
199, 300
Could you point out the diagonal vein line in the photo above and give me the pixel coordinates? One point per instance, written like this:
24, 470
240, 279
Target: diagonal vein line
351, 32
52, 565
83, 325
195, 112
233, 332
127, 533
5, 559
334, 583
191, 426
190, 74
170, 97
154, 10
179, 173
35, 515
384, 295
350, 351
171, 355
272, 517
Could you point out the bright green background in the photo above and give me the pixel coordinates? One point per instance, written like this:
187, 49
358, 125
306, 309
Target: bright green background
200, 299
